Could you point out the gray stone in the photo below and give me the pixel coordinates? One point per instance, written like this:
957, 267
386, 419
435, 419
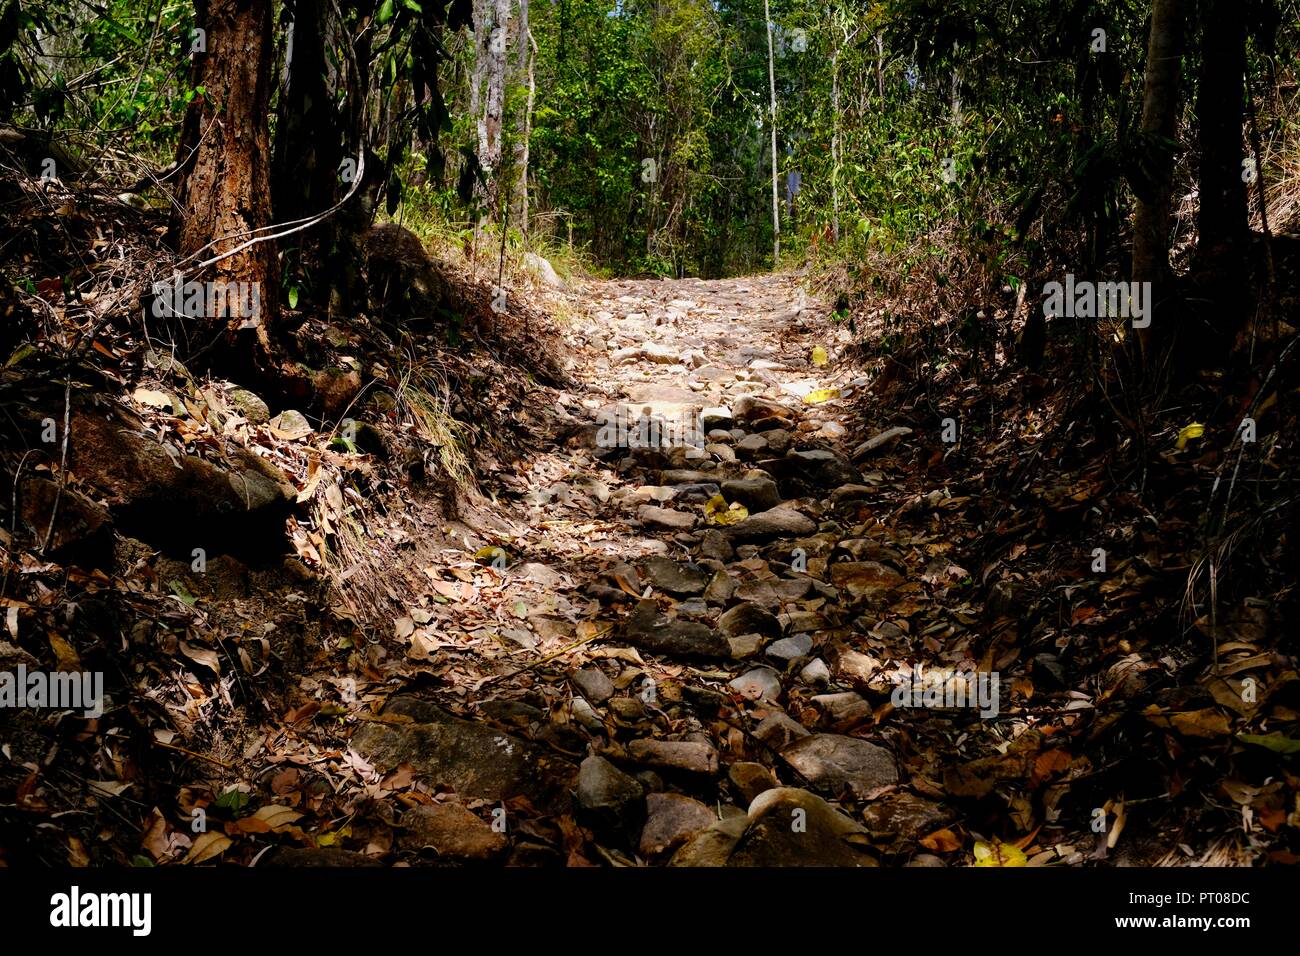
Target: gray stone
608, 797
452, 831
475, 760
671, 820
756, 494
666, 518
778, 522
767, 836
761, 683
667, 575
749, 618
750, 779
254, 410
789, 648
652, 631
833, 763
686, 755
778, 730
714, 544
593, 684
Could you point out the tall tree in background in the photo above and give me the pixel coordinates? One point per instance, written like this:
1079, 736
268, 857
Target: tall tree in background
492, 35
527, 56
308, 140
224, 193
771, 81
1153, 185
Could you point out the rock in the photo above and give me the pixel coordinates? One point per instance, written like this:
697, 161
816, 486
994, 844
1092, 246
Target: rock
586, 715
682, 476
720, 588
722, 453
475, 760
756, 494
746, 645
834, 763
649, 630
452, 831
83, 529
714, 544
659, 354
173, 501
816, 673
881, 440
777, 522
593, 684
750, 779
773, 592
751, 408
864, 580
607, 797
717, 416
855, 668
905, 818
789, 648
785, 826
291, 423
832, 430
801, 622
686, 755
778, 730
749, 618
541, 268
625, 355
254, 410
846, 709
667, 575
671, 820
850, 492
778, 440
666, 518
761, 683
751, 446
824, 468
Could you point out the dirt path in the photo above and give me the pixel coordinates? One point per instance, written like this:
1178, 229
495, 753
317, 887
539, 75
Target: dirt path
664, 664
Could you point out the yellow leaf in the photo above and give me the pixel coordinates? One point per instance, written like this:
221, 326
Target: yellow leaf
1194, 430
152, 398
717, 511
817, 396
275, 816
208, 846
999, 854
819, 356
491, 555
329, 839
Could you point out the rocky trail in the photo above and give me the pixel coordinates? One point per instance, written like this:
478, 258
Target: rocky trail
659, 613
686, 640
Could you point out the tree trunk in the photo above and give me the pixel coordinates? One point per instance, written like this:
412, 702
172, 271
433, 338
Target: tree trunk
1158, 129
1220, 107
528, 46
308, 148
771, 81
493, 40
224, 194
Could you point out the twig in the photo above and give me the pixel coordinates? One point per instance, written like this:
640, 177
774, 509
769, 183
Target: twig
63, 462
